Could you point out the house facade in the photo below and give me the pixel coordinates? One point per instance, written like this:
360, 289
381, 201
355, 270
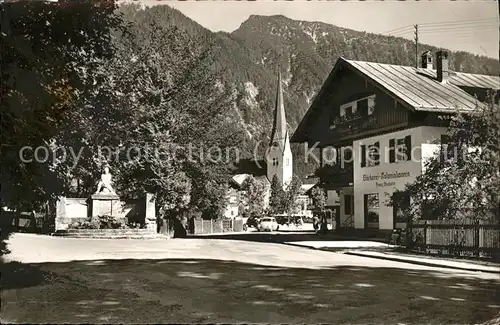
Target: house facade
376, 124
233, 199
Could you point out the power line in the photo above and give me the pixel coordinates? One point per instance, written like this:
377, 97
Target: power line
443, 25
416, 46
461, 28
403, 32
400, 29
459, 22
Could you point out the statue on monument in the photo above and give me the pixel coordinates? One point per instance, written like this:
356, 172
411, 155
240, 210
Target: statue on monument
105, 184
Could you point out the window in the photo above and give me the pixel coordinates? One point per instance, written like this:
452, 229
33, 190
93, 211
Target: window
347, 154
275, 161
349, 111
329, 156
373, 156
287, 162
371, 104
447, 149
363, 107
400, 149
371, 203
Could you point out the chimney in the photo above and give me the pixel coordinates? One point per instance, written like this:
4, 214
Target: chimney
442, 66
427, 60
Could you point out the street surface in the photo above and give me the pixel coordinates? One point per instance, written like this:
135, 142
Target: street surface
202, 280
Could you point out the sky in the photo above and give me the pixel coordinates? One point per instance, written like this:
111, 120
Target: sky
471, 26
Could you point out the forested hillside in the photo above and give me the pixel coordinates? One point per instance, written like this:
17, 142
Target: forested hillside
247, 60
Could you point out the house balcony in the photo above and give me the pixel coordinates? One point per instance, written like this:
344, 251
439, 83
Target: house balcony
336, 175
353, 123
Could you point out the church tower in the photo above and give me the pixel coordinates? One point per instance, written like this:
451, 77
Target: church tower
279, 154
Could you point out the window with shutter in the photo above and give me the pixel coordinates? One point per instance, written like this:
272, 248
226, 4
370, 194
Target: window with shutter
401, 151
374, 154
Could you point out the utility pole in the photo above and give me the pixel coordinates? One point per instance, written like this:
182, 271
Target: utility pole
416, 45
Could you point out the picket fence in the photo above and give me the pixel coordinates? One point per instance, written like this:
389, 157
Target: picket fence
217, 226
465, 238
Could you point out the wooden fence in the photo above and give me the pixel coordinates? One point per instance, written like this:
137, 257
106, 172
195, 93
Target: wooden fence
217, 226
448, 237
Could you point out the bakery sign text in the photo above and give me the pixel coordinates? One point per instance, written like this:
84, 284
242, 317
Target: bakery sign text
384, 179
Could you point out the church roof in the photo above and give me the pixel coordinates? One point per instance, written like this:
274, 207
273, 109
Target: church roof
279, 124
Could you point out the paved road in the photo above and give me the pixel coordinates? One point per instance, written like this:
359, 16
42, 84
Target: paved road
216, 280
27, 248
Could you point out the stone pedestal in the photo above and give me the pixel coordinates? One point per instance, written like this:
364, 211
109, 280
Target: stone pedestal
106, 204
61, 222
150, 218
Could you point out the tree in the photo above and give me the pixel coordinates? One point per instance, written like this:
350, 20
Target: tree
463, 179
202, 128
318, 198
44, 46
158, 98
253, 197
291, 194
276, 201
284, 200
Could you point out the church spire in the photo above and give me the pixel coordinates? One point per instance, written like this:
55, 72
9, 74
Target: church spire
279, 125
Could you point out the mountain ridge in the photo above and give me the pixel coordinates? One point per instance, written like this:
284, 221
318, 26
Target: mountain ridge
247, 60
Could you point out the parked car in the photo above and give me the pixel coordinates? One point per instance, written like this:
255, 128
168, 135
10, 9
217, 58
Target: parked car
252, 222
268, 224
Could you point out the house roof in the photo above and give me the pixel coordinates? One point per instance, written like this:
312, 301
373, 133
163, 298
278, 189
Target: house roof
468, 79
417, 88
251, 166
420, 89
239, 179
306, 187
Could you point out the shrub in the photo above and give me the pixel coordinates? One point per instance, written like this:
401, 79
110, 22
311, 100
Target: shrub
109, 222
87, 224
103, 222
135, 225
